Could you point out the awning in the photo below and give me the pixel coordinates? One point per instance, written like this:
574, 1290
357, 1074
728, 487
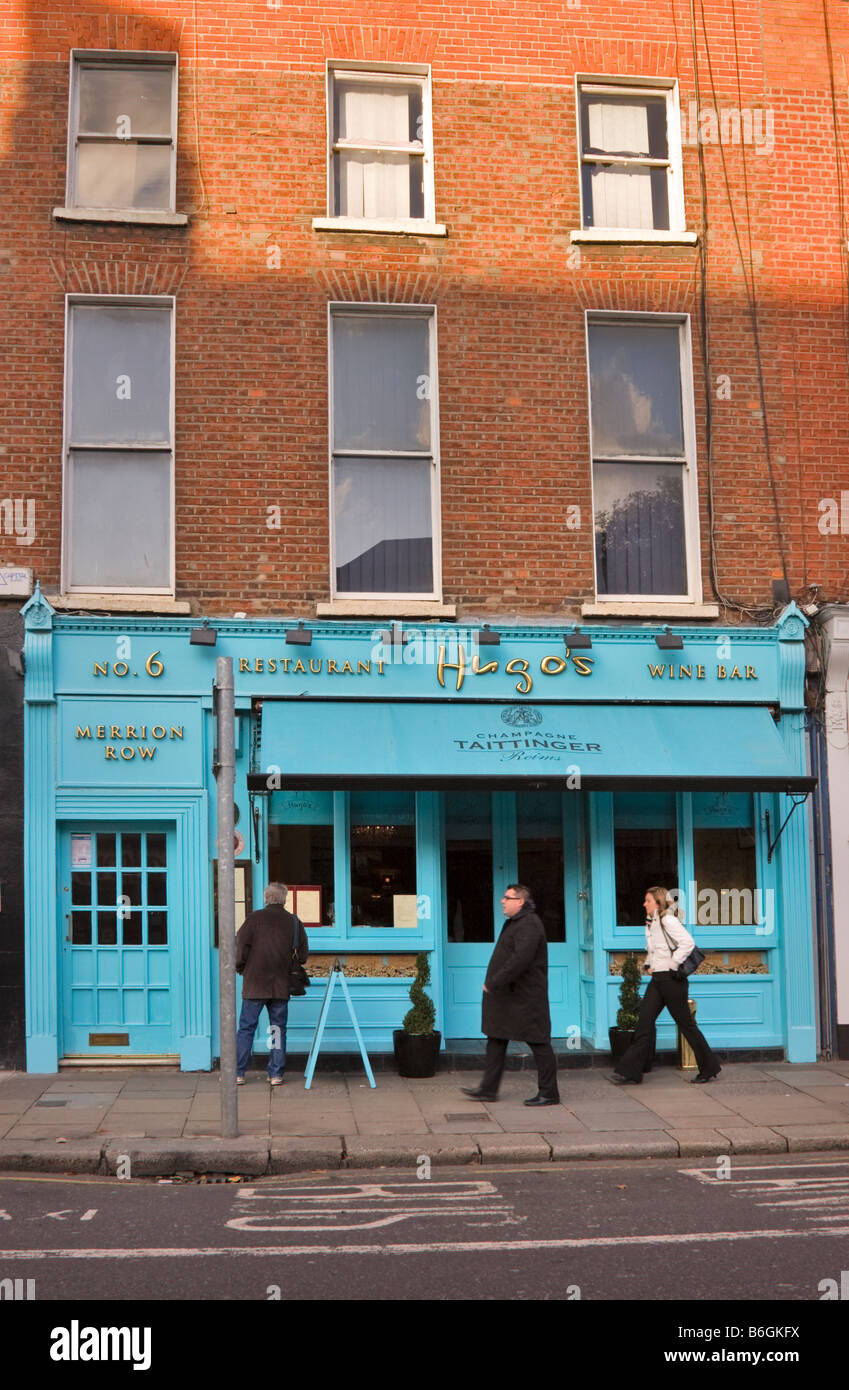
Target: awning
434, 744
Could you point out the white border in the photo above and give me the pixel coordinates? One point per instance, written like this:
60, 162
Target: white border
106, 58
428, 311
666, 87
362, 71
691, 494
159, 301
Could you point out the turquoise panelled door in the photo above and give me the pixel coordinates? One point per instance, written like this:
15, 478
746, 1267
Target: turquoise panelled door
118, 995
492, 839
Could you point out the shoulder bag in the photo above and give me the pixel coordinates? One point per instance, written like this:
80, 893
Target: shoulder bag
692, 961
298, 978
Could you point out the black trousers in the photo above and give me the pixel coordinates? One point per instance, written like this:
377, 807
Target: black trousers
665, 992
496, 1053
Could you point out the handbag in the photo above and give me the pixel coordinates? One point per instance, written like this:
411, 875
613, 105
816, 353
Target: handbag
690, 963
298, 978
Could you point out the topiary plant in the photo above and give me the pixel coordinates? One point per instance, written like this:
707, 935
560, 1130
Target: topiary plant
629, 994
421, 1017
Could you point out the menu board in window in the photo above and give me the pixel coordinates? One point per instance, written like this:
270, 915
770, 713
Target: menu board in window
305, 903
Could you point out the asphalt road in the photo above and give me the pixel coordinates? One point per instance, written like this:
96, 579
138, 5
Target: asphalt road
749, 1230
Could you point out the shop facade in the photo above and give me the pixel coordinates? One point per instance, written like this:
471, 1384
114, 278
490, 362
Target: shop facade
397, 781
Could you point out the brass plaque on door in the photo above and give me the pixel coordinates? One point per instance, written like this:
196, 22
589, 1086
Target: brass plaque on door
109, 1040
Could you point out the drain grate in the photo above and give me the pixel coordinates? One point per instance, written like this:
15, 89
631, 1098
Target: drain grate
483, 1118
54, 1103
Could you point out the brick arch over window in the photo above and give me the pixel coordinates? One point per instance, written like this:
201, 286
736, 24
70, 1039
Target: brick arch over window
675, 294
624, 57
381, 286
379, 43
138, 33
119, 276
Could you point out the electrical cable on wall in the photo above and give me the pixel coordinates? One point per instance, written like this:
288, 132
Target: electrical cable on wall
762, 615
841, 191
204, 200
751, 300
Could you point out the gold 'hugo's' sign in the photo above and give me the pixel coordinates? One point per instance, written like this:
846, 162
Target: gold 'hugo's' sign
551, 665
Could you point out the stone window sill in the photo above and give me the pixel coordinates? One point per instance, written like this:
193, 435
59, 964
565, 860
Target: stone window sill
659, 609
625, 235
119, 603
403, 226
124, 215
385, 608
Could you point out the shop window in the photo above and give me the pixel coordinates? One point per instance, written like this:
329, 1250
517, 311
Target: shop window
629, 178
300, 854
122, 138
539, 819
725, 861
468, 866
119, 430
384, 455
643, 452
645, 844
383, 859
380, 147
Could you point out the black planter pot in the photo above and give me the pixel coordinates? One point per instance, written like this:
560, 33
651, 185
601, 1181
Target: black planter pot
620, 1041
416, 1054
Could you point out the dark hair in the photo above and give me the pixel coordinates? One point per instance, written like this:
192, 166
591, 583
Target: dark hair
524, 892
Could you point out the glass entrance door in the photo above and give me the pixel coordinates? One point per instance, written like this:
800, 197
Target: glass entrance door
117, 935
492, 839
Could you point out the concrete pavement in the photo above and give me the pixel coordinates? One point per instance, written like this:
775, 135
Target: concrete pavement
157, 1122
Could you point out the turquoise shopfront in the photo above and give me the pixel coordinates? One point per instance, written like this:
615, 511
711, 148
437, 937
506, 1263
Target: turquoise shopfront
396, 781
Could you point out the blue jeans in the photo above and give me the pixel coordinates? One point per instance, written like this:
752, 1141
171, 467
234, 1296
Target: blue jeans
278, 1010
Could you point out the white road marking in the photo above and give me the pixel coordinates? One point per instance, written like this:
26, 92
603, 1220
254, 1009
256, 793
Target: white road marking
808, 1188
349, 1206
454, 1247
710, 1175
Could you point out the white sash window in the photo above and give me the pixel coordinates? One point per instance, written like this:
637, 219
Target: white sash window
122, 131
630, 157
119, 458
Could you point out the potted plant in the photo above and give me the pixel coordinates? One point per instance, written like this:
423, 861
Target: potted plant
416, 1041
622, 1035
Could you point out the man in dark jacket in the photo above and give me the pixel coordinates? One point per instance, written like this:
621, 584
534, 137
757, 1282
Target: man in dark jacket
515, 999
264, 946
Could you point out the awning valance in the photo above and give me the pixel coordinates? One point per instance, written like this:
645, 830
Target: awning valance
434, 744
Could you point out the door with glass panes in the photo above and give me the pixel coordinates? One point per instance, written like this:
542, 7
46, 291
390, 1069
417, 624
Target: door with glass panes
496, 838
117, 940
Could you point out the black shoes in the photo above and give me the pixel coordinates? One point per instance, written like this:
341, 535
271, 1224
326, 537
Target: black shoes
474, 1094
617, 1080
704, 1077
543, 1100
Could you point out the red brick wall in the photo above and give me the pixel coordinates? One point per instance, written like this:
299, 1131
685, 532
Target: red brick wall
510, 290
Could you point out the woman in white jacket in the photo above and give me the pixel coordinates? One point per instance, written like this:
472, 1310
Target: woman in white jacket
668, 943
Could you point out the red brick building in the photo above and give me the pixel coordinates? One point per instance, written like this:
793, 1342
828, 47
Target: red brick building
532, 316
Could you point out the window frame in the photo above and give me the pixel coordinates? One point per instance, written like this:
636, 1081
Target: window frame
337, 308
342, 934
111, 58
69, 444
690, 508
642, 88
402, 74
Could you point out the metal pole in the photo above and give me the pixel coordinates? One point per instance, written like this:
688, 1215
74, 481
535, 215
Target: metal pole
225, 778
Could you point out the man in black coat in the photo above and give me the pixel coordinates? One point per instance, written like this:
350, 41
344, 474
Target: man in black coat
264, 946
515, 999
